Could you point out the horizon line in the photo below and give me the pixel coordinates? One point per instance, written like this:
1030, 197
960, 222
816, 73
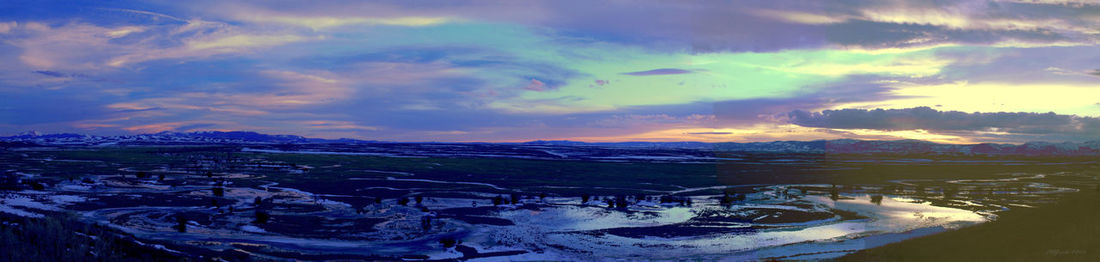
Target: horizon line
545, 140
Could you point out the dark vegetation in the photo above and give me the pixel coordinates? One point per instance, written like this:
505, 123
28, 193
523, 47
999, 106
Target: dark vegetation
610, 183
588, 177
1067, 230
674, 230
62, 238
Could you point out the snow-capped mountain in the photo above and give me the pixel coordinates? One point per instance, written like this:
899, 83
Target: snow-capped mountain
203, 137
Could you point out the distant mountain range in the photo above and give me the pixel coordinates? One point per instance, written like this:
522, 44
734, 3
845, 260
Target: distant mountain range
203, 137
839, 146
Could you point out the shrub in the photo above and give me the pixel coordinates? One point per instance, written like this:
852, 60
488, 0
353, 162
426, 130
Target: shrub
62, 238
620, 202
9, 182
877, 199
262, 217
448, 242
181, 223
426, 222
949, 192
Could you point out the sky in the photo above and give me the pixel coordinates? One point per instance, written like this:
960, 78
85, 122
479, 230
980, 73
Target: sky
500, 71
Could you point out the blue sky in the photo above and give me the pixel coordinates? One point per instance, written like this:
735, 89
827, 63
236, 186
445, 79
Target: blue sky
945, 71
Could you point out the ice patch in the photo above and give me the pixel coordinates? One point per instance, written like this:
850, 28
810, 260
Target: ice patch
252, 229
445, 182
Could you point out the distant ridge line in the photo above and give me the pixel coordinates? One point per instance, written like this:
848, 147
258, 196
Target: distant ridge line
846, 146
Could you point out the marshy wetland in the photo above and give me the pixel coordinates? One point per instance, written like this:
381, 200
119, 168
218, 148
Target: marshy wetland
240, 203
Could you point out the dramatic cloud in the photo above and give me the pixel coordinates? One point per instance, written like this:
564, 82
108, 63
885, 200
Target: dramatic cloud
713, 27
925, 118
511, 71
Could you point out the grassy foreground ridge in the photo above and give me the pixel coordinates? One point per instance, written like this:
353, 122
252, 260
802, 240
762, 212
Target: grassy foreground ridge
1067, 230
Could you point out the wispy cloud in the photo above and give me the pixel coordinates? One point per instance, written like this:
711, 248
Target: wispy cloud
324, 22
495, 71
87, 47
661, 71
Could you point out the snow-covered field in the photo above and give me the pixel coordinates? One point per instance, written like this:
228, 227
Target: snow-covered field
563, 232
773, 221
549, 229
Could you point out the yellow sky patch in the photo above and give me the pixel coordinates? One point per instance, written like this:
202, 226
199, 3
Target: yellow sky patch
1066, 98
240, 41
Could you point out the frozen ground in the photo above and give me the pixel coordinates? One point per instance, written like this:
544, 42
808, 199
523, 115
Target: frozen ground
326, 205
567, 231
553, 228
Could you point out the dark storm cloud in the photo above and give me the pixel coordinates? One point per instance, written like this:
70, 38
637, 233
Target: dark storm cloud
50, 73
56, 74
933, 120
